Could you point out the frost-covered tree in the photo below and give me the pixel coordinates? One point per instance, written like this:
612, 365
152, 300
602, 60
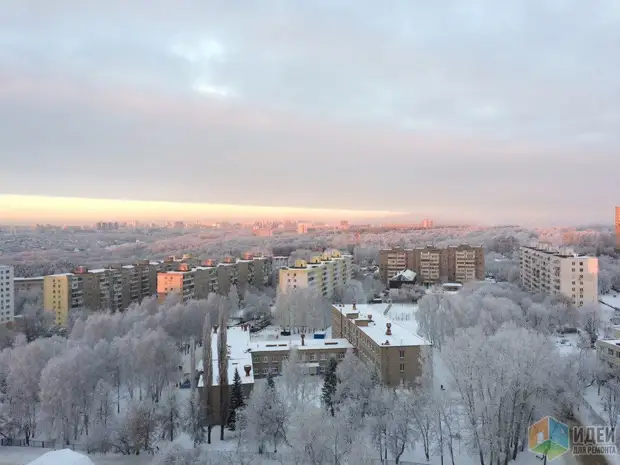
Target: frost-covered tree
194, 420
207, 367
611, 402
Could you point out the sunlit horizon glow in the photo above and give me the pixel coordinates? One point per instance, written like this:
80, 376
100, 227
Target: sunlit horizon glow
43, 209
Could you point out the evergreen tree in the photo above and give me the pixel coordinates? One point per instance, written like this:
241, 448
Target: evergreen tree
270, 381
330, 382
236, 401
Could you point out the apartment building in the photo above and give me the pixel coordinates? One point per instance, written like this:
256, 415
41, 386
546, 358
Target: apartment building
397, 353
252, 271
206, 279
324, 274
432, 264
181, 282
7, 295
114, 285
618, 228
27, 285
559, 272
65, 292
227, 274
392, 261
314, 354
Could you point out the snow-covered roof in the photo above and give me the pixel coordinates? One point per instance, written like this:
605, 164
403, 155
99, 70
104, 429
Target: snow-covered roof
62, 457
34, 278
377, 326
610, 341
452, 285
404, 275
309, 344
98, 270
238, 342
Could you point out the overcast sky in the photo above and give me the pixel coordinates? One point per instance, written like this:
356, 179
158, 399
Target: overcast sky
492, 111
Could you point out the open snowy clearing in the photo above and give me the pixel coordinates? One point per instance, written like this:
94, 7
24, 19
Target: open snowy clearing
25, 455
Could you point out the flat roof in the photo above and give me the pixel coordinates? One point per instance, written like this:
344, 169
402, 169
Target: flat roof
611, 341
309, 344
238, 342
377, 325
554, 252
35, 278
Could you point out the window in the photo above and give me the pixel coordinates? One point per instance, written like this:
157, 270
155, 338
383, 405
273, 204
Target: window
341, 355
610, 351
265, 371
401, 353
402, 367
312, 357
265, 359
323, 356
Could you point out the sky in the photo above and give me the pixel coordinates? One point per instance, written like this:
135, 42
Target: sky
477, 111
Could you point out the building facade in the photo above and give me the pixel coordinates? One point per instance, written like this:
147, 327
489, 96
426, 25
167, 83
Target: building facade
397, 354
7, 295
559, 272
180, 282
322, 274
314, 354
433, 265
27, 285
618, 228
63, 293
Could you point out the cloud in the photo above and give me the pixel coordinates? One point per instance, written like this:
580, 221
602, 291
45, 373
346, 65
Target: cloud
467, 109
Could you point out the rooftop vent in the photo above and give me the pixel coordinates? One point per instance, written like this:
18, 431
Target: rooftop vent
247, 369
388, 329
331, 343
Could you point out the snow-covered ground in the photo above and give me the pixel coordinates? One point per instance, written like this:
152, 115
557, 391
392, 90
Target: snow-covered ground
612, 299
25, 455
404, 316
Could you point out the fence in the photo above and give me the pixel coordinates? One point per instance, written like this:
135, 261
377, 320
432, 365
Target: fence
393, 462
41, 444
24, 443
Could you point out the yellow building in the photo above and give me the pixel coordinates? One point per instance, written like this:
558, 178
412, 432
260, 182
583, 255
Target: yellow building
323, 273
65, 292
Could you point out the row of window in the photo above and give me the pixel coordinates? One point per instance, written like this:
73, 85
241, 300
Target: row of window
304, 357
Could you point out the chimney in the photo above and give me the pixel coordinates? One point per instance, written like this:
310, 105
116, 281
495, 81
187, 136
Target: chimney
247, 369
303, 339
388, 329
354, 307
369, 317
214, 329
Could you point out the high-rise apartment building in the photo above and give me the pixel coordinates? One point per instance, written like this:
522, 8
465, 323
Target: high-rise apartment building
206, 279
65, 292
180, 282
618, 228
227, 275
7, 295
26, 285
432, 265
324, 274
559, 272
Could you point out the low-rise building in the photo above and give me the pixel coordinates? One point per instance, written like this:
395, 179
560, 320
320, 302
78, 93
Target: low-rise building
314, 354
397, 353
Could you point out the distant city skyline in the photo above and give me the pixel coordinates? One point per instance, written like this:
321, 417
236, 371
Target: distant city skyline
477, 112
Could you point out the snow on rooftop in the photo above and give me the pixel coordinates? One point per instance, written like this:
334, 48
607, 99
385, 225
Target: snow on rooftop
62, 457
238, 342
98, 270
377, 326
405, 275
34, 278
309, 344
452, 285
611, 341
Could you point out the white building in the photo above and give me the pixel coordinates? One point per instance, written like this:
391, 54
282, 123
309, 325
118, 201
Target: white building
7, 295
323, 273
559, 272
